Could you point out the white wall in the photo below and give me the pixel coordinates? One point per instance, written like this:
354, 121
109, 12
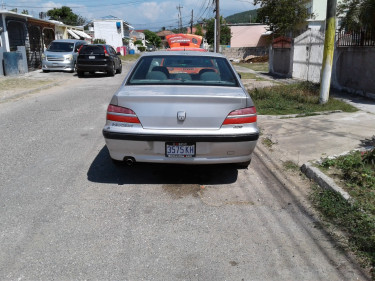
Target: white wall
107, 30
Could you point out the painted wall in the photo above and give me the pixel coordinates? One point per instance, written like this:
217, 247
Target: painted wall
248, 36
107, 30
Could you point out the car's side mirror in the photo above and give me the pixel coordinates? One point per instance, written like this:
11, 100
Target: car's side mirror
118, 53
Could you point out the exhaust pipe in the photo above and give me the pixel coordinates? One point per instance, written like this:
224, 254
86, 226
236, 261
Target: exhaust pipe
129, 161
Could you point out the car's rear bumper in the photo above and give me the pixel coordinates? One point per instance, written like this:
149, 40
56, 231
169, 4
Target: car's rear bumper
93, 67
209, 149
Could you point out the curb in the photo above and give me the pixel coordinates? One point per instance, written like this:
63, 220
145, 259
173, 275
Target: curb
324, 181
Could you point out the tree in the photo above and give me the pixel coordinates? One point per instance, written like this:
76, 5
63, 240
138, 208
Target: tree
199, 30
284, 17
66, 15
152, 38
99, 41
225, 33
357, 14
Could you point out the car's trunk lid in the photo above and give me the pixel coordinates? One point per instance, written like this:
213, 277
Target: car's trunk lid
200, 107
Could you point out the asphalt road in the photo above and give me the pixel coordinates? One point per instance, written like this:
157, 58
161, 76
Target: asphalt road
67, 213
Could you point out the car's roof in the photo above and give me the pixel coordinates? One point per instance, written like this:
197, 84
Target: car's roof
68, 40
184, 53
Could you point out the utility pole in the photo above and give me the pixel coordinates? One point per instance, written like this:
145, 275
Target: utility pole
191, 21
217, 33
179, 7
2, 5
329, 48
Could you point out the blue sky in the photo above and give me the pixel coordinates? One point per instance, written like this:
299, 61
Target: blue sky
149, 14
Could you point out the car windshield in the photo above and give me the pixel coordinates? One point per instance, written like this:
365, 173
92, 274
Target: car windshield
186, 70
61, 47
92, 49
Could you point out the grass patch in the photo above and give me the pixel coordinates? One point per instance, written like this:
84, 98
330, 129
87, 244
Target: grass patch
356, 174
291, 166
7, 84
268, 142
257, 66
130, 57
298, 98
359, 226
247, 75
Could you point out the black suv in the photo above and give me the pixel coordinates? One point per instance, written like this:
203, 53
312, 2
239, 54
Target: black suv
98, 57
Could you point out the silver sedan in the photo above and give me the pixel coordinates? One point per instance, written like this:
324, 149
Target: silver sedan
184, 108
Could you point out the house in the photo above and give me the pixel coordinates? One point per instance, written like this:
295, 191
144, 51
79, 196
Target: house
162, 34
318, 11
30, 36
112, 30
249, 35
136, 35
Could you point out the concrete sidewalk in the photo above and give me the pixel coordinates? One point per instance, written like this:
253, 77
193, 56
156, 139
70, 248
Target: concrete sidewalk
311, 138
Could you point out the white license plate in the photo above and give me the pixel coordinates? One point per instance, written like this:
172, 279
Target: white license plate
91, 57
179, 150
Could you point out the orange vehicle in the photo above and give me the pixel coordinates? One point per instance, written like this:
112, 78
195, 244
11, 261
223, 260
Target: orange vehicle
185, 42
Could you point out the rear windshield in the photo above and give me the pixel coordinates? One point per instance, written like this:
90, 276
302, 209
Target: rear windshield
187, 70
90, 49
61, 47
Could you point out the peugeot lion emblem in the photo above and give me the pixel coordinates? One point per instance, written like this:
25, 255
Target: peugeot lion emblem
181, 115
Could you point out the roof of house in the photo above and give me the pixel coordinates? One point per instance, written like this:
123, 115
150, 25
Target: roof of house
164, 33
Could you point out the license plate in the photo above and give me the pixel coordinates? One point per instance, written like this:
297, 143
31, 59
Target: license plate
179, 150
91, 57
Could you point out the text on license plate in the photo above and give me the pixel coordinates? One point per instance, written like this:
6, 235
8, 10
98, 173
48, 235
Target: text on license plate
91, 57
177, 149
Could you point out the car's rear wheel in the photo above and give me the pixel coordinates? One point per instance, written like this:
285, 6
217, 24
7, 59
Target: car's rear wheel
80, 73
112, 71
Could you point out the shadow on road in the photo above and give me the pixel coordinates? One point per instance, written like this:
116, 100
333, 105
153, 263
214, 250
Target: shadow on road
102, 170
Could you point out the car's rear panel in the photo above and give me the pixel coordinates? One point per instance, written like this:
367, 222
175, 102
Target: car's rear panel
205, 110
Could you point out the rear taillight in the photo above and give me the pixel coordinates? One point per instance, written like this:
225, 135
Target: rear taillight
121, 114
105, 52
241, 116
80, 49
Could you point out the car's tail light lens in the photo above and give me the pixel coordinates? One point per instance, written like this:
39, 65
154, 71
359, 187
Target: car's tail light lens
121, 114
80, 48
105, 51
241, 116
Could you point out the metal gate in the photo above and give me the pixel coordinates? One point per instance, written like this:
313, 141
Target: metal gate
34, 51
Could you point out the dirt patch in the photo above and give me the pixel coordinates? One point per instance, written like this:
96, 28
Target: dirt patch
178, 191
10, 84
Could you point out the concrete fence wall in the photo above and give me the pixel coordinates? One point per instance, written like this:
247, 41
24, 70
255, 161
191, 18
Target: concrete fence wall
241, 53
353, 67
280, 61
354, 70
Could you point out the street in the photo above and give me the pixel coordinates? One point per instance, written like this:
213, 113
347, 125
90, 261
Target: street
67, 213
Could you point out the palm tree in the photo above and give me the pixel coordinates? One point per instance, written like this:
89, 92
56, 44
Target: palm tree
357, 14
